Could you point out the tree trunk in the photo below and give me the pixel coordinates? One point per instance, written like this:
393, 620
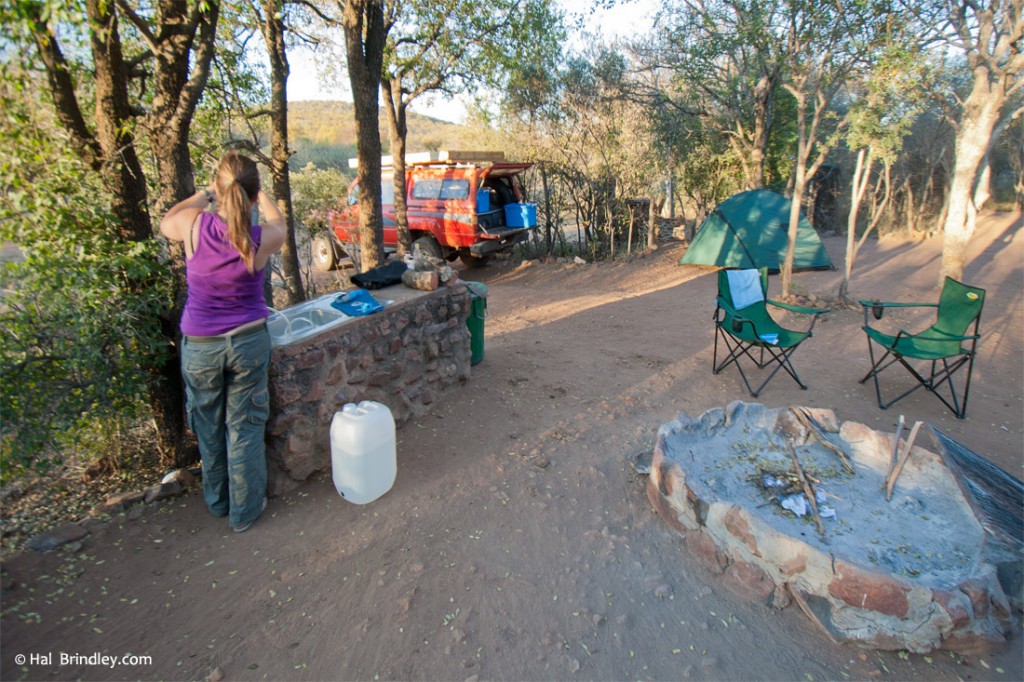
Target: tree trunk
764, 96
629, 237
119, 165
652, 221
549, 242
980, 115
273, 36
858, 183
396, 105
181, 66
799, 183
181, 40
363, 22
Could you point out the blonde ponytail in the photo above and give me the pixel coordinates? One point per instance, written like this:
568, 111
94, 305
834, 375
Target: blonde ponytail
238, 185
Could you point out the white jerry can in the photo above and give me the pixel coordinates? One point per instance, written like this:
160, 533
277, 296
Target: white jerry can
363, 457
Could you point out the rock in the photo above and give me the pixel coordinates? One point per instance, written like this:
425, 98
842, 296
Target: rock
162, 491
748, 581
663, 591
424, 281
642, 462
216, 675
574, 665
579, 261
183, 476
736, 523
871, 591
61, 535
92, 524
121, 501
705, 549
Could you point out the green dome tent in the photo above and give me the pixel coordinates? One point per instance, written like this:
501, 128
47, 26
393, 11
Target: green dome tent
748, 230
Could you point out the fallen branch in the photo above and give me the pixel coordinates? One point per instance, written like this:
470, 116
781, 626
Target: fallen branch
808, 491
813, 429
798, 598
890, 482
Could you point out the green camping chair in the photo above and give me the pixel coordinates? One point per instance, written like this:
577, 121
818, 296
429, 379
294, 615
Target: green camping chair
747, 329
946, 344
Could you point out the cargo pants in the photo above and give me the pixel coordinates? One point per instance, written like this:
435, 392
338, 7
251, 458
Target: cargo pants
228, 404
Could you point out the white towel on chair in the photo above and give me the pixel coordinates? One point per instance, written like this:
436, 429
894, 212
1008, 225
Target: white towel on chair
745, 286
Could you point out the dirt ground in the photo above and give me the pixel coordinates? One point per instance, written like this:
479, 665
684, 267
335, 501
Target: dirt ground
517, 542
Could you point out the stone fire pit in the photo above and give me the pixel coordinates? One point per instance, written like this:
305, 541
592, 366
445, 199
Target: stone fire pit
919, 572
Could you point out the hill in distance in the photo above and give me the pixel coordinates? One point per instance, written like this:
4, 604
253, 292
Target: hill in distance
324, 133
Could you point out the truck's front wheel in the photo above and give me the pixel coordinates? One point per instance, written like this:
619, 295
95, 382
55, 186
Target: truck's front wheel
325, 252
427, 246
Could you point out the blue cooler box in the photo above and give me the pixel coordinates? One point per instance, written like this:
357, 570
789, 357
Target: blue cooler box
483, 201
521, 215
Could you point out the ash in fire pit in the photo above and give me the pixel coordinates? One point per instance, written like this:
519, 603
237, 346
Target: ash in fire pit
916, 572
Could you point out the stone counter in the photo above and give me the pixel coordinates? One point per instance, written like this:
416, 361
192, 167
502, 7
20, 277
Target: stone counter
407, 356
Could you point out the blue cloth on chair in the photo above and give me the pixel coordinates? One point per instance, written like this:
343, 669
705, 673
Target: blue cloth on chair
745, 286
358, 302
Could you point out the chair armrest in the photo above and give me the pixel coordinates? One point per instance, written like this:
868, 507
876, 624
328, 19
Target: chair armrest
796, 308
877, 308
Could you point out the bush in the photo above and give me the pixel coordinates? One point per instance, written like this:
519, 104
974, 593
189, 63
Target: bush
79, 310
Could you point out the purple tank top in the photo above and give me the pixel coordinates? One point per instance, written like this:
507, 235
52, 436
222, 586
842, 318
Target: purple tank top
222, 294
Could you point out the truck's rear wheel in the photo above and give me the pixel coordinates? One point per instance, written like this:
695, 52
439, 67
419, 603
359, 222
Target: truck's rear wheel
427, 246
472, 261
325, 252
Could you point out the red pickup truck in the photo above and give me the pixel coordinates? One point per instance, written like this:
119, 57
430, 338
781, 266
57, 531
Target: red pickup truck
456, 208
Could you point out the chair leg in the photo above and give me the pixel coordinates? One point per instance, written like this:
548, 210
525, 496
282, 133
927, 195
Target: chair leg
782, 362
932, 383
738, 348
735, 350
874, 371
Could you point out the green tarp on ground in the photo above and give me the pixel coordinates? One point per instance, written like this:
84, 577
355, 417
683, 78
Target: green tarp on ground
748, 230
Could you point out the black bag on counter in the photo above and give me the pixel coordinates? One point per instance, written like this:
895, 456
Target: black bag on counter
380, 276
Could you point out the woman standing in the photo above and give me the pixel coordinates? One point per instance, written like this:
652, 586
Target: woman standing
225, 351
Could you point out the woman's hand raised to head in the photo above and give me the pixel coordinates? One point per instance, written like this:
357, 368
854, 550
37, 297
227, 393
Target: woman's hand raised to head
274, 229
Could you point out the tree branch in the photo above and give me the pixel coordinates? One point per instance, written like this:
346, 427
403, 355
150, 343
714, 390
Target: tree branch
203, 56
62, 88
139, 23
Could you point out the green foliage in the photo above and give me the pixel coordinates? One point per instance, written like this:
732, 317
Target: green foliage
315, 191
78, 310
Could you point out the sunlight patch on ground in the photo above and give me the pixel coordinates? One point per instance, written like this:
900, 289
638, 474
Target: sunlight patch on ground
555, 311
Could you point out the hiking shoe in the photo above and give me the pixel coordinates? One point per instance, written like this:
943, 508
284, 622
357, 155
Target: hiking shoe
242, 527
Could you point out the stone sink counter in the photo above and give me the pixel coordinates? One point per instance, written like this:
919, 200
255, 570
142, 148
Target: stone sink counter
406, 356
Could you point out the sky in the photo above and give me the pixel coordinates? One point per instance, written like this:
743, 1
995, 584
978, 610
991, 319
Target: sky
308, 82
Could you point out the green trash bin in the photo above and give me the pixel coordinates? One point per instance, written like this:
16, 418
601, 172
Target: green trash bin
475, 321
